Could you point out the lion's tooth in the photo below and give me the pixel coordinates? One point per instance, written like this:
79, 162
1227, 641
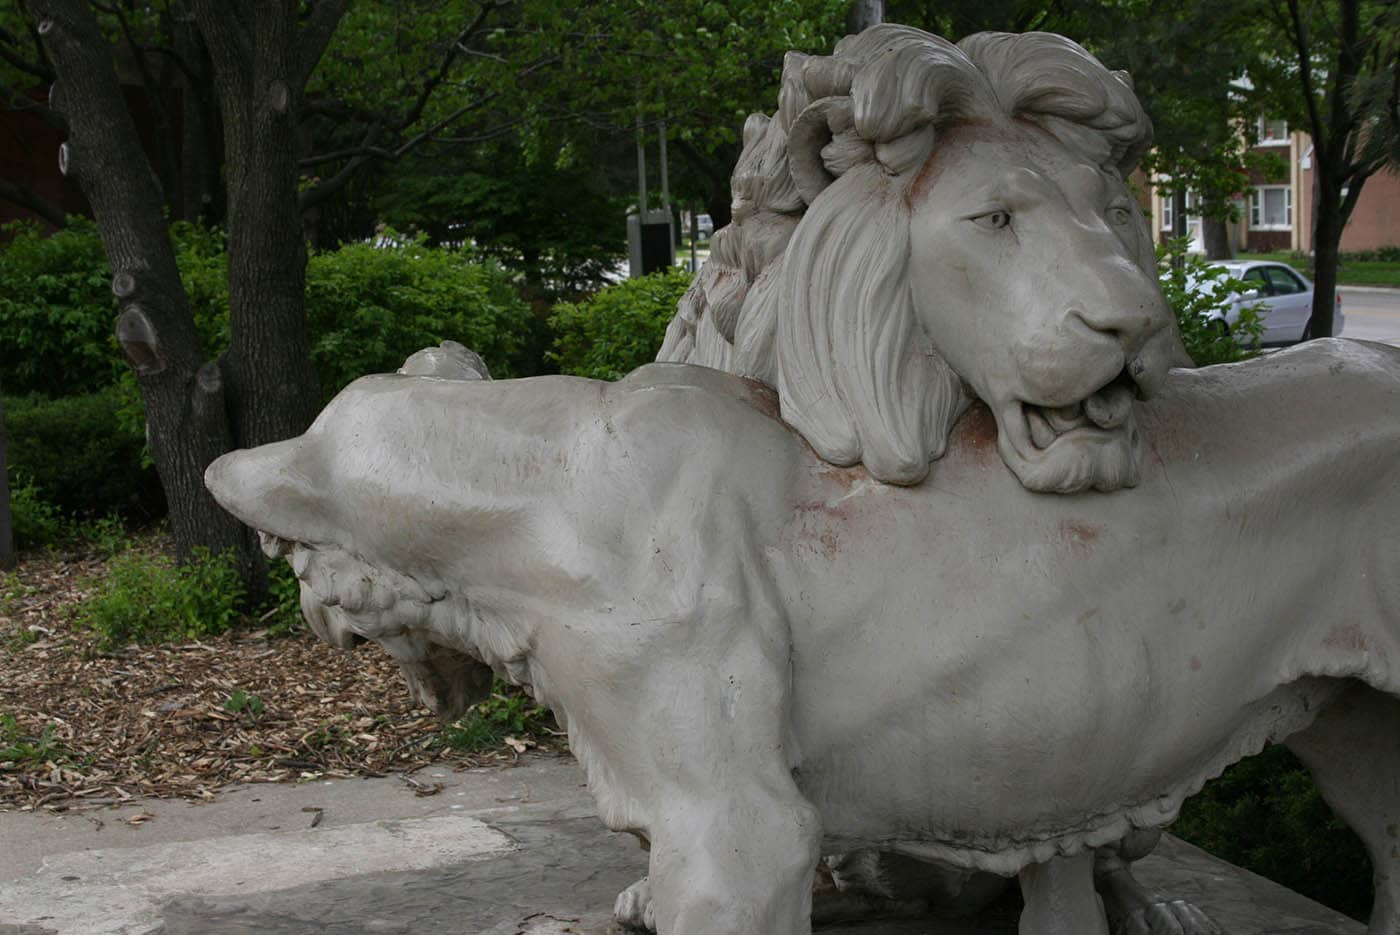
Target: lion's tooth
1041, 433
299, 559
1109, 408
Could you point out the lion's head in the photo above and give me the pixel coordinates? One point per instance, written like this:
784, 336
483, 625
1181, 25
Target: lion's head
922, 224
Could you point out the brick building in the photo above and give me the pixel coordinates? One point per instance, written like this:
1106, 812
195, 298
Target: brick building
1277, 215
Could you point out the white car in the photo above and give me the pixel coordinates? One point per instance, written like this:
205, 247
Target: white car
1284, 297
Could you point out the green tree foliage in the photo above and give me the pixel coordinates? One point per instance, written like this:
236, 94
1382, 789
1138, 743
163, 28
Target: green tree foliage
540, 206
619, 329
1264, 815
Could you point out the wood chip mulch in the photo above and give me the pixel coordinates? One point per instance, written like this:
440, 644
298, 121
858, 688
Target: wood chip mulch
101, 728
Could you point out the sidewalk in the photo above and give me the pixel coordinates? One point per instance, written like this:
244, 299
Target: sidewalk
488, 852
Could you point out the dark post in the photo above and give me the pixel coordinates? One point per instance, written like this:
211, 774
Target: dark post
7, 536
863, 14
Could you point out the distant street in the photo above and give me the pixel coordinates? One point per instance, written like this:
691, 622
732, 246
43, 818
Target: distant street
1372, 314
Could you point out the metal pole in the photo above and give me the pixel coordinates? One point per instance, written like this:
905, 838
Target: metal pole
7, 535
641, 173
665, 179
694, 235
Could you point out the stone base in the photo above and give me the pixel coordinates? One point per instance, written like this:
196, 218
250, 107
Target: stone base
493, 852
564, 875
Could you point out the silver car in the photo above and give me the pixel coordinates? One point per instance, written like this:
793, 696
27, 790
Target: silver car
1284, 297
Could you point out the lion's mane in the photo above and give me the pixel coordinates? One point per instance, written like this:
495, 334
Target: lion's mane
808, 288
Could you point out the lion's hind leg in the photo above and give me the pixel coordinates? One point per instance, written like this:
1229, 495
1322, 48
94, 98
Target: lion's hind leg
1133, 909
1353, 753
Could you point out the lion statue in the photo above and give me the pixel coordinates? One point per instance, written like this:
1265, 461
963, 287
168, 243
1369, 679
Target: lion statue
773, 631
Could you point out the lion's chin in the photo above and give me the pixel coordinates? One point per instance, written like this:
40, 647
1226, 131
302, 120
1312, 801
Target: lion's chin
1063, 451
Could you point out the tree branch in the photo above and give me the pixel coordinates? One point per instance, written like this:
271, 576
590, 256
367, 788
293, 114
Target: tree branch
316, 34
20, 102
9, 45
397, 152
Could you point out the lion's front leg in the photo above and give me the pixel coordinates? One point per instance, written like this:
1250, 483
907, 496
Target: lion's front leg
734, 843
1060, 898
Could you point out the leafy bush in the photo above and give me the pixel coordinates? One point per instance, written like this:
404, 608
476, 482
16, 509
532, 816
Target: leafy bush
1194, 289
619, 329
1264, 815
84, 458
149, 598
35, 521
56, 312
371, 305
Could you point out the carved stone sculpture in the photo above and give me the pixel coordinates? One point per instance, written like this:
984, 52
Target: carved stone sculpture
951, 566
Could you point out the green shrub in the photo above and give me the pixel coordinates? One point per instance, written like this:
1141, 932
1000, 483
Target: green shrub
85, 459
1265, 815
1194, 289
371, 305
35, 521
619, 329
56, 312
149, 598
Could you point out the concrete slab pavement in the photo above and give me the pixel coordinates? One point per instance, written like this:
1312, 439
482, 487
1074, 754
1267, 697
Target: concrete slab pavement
491, 852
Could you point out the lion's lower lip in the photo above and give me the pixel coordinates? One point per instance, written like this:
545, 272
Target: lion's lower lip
1106, 409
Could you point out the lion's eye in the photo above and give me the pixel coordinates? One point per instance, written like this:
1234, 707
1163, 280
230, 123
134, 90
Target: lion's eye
1119, 215
993, 220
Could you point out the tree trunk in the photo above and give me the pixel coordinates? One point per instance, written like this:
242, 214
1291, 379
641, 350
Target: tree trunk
272, 393
185, 419
1327, 238
1179, 213
1215, 234
7, 531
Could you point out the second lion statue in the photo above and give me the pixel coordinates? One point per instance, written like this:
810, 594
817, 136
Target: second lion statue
956, 562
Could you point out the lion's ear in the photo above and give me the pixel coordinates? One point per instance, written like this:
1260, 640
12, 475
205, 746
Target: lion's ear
274, 488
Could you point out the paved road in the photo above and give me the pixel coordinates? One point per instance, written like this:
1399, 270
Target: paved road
1372, 314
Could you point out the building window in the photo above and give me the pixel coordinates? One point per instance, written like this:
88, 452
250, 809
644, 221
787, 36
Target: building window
1192, 209
1273, 132
1271, 208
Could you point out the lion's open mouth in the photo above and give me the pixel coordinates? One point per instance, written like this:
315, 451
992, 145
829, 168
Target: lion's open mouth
1109, 408
1092, 443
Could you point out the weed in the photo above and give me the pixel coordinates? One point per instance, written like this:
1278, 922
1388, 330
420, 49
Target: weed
282, 614
509, 712
105, 535
15, 747
245, 702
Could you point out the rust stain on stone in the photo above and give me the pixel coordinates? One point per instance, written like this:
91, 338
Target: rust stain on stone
976, 433
1080, 536
1195, 663
1348, 636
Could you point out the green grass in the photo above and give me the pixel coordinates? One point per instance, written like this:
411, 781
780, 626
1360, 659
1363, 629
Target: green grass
1349, 273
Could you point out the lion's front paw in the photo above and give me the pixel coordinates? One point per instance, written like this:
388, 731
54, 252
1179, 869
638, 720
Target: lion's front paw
633, 906
1176, 917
